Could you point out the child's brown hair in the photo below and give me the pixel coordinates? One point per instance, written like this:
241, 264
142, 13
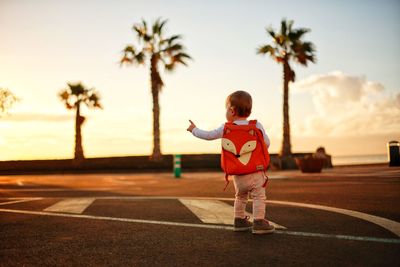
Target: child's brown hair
241, 102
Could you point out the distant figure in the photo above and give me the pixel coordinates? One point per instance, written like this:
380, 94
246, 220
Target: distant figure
238, 109
320, 154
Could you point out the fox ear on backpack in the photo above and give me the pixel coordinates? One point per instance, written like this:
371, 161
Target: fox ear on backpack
251, 132
227, 131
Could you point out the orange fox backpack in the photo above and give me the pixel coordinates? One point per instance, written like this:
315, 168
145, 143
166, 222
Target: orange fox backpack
243, 150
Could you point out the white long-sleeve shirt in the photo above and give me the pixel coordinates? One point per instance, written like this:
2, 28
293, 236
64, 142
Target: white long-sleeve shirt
217, 133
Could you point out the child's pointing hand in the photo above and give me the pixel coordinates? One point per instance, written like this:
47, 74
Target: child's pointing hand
191, 127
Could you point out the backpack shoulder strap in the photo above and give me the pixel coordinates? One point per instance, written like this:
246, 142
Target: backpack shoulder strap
253, 122
227, 126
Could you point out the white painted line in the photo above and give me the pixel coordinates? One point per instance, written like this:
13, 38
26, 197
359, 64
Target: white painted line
215, 211
16, 198
343, 237
277, 226
206, 226
210, 211
19, 201
71, 205
57, 189
390, 225
37, 190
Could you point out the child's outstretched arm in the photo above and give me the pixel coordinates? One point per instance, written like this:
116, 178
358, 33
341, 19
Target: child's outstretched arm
206, 135
191, 126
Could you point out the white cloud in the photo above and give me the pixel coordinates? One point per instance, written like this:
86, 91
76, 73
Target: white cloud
348, 106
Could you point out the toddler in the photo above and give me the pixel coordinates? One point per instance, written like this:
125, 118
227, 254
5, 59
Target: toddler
238, 109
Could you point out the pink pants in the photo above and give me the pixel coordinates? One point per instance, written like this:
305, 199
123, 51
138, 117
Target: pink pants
250, 183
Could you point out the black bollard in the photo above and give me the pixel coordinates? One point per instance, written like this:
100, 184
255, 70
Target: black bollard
394, 153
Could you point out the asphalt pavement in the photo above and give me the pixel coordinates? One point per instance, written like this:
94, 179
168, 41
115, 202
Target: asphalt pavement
340, 217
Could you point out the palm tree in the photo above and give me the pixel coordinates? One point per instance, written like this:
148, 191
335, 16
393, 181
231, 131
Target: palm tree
160, 51
7, 99
73, 96
287, 46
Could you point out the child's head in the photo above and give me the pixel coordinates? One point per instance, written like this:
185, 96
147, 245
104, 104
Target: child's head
238, 105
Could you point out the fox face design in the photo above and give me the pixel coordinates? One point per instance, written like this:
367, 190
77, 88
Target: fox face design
242, 151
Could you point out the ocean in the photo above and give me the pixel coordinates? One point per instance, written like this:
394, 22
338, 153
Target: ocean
359, 159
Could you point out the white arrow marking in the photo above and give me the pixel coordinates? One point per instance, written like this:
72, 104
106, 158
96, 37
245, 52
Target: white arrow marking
214, 211
72, 205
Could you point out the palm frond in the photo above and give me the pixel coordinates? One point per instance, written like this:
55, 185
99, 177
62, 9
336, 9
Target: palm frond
169, 67
271, 32
308, 47
303, 52
171, 39
312, 58
175, 59
289, 25
297, 34
64, 95
180, 58
141, 30
265, 49
140, 57
158, 26
161, 26
77, 93
283, 27
144, 24
172, 48
286, 25
77, 88
129, 49
92, 99
184, 55
125, 60
130, 56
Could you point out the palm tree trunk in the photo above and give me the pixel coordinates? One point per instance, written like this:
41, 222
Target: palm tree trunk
156, 84
286, 145
78, 135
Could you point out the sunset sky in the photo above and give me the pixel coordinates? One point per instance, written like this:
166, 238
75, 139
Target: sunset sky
349, 101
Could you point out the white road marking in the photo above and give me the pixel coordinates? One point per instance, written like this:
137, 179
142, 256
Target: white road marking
20, 200
343, 237
59, 189
210, 211
117, 219
390, 225
71, 205
206, 226
215, 211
